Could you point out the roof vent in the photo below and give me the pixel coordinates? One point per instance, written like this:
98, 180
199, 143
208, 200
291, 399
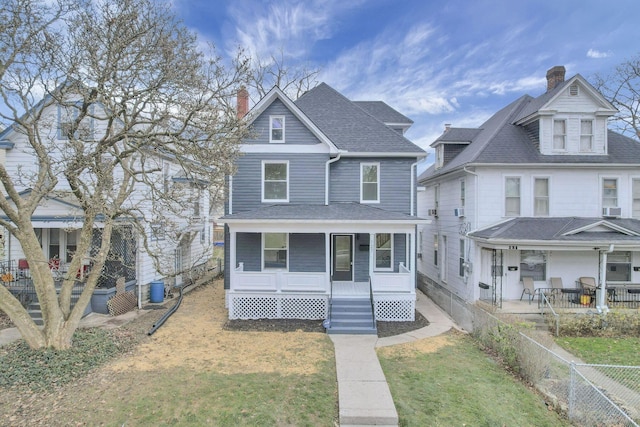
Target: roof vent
573, 90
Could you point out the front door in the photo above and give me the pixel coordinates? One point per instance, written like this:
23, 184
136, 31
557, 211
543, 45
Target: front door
342, 258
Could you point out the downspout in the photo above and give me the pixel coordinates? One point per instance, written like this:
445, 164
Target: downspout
326, 177
230, 194
413, 193
601, 304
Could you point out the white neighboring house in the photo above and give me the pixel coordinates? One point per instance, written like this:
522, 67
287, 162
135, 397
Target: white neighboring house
541, 190
59, 219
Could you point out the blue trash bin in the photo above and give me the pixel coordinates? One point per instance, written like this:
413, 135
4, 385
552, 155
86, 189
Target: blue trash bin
156, 294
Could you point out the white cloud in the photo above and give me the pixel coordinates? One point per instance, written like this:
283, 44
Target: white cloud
596, 54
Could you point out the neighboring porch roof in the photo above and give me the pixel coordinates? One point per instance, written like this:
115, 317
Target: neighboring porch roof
333, 213
562, 231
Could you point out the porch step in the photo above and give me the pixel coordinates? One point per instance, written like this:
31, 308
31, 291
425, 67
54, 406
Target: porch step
537, 320
351, 316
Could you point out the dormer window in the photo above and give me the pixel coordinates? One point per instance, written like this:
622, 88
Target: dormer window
559, 135
586, 135
276, 129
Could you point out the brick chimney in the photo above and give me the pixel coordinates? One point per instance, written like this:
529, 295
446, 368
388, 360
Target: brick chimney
447, 127
242, 104
555, 76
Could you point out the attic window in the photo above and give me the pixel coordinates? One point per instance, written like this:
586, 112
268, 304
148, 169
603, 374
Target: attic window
276, 128
573, 90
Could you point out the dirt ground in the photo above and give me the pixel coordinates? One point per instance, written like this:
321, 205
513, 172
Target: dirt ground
197, 338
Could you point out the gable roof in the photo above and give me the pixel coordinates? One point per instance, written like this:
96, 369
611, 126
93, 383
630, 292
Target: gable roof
350, 127
547, 98
384, 113
459, 135
562, 230
277, 93
500, 140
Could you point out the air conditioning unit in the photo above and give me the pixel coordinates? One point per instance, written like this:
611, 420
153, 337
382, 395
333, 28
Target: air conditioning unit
459, 212
432, 212
612, 212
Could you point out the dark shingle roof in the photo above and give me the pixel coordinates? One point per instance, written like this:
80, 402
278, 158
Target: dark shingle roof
458, 135
560, 229
383, 112
333, 212
499, 141
350, 127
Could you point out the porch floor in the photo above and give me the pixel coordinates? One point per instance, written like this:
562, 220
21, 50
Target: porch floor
350, 289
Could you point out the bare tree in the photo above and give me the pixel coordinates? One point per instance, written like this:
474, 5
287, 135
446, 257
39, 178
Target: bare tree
622, 89
137, 95
274, 71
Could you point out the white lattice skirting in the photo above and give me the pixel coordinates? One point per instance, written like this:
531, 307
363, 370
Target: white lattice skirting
278, 306
395, 308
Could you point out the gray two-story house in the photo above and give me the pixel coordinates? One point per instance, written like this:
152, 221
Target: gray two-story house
322, 207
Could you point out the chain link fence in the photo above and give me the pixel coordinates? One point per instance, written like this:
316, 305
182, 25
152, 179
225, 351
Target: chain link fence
591, 395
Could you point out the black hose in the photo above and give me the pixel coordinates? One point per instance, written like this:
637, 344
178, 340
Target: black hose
168, 314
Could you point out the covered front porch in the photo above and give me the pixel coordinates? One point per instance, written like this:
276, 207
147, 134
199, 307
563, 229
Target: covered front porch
574, 264
295, 268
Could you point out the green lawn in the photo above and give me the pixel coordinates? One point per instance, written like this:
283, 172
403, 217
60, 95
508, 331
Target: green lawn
456, 385
601, 350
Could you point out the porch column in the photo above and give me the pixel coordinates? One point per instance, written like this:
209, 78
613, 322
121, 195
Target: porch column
412, 256
232, 254
601, 302
327, 257
372, 252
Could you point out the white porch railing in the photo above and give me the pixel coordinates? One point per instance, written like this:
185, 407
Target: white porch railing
279, 281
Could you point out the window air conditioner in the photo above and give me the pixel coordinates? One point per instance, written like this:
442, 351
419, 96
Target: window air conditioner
612, 212
459, 212
432, 212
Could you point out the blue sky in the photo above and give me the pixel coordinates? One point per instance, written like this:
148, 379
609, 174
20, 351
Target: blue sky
437, 62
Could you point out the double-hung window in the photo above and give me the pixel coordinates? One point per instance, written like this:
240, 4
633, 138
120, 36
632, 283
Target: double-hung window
512, 196
619, 266
560, 135
461, 259
586, 135
533, 264
275, 247
276, 129
462, 193
369, 182
541, 197
275, 181
609, 193
67, 116
384, 252
635, 188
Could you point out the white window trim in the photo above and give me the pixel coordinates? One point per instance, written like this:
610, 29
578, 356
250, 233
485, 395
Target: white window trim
631, 185
618, 180
590, 135
504, 198
262, 237
553, 135
533, 194
276, 141
375, 253
463, 192
271, 162
377, 165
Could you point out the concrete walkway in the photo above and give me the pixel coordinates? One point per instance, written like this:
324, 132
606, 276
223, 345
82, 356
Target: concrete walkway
364, 398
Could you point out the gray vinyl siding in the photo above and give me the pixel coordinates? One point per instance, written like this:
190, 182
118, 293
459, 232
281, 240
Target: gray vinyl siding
248, 250
295, 132
307, 253
395, 180
399, 251
361, 258
306, 179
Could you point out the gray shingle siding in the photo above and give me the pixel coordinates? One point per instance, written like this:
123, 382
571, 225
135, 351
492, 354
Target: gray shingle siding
306, 179
248, 250
452, 150
294, 131
395, 179
307, 253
